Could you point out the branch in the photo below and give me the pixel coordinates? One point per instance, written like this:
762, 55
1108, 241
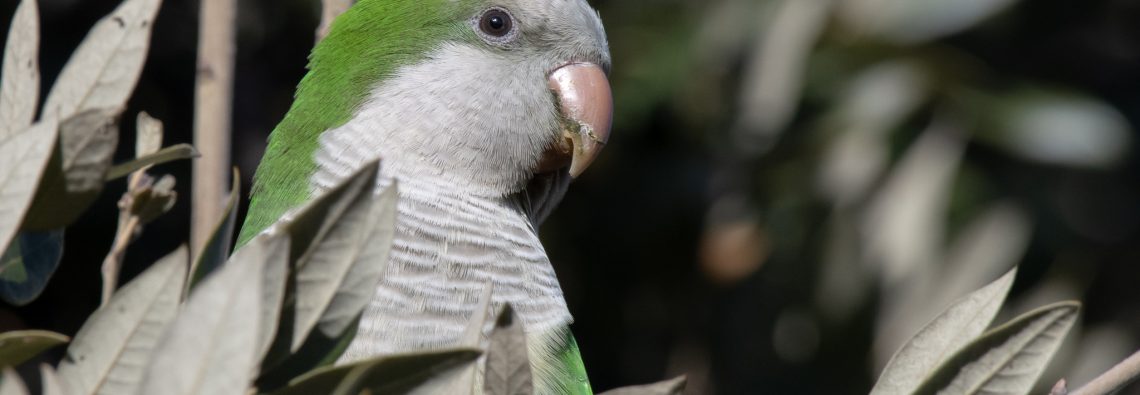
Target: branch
1114, 379
329, 11
212, 113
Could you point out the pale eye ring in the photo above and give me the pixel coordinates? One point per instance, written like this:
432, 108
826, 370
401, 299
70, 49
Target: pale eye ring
496, 23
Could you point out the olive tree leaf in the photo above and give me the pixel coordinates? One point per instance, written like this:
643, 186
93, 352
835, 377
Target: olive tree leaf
324, 271
217, 247
675, 386
1008, 359
20, 77
118, 339
508, 365
17, 347
389, 374
210, 347
78, 169
11, 384
958, 325
272, 250
168, 154
50, 381
914, 22
28, 264
149, 133
103, 71
23, 158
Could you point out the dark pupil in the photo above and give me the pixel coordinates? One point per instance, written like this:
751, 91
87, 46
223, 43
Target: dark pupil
496, 22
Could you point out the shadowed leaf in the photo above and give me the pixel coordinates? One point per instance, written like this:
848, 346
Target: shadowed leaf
103, 71
217, 247
210, 347
391, 374
508, 365
118, 339
959, 324
17, 347
674, 386
77, 172
168, 154
20, 77
1006, 360
28, 265
273, 251
23, 158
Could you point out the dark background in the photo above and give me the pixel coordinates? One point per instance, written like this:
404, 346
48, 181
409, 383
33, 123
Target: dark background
694, 246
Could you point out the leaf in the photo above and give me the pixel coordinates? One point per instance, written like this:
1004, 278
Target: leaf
674, 386
210, 347
51, 384
20, 77
17, 347
168, 154
958, 325
22, 161
11, 384
358, 284
272, 250
1060, 128
917, 21
508, 365
326, 291
28, 265
148, 135
389, 374
118, 339
217, 247
78, 168
103, 71
150, 201
1008, 359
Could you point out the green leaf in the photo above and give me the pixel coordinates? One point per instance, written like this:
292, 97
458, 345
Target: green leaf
17, 347
168, 154
11, 384
51, 384
103, 71
28, 265
391, 374
674, 386
317, 351
957, 326
508, 365
1008, 359
217, 248
210, 347
23, 158
118, 339
75, 176
20, 78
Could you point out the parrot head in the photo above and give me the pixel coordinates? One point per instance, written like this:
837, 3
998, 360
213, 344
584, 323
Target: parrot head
486, 94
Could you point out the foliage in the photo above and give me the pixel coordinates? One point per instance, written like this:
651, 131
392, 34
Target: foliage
273, 316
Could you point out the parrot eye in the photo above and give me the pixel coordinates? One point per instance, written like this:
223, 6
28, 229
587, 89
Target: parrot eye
496, 23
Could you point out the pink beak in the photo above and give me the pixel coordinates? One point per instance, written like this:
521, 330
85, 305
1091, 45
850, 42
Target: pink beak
587, 106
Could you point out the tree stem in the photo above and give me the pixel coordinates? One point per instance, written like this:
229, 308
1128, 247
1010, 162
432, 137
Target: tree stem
212, 116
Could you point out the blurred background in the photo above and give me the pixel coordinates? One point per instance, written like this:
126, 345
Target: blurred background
793, 188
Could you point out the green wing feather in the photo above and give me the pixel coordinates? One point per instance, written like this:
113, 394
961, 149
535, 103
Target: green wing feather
574, 381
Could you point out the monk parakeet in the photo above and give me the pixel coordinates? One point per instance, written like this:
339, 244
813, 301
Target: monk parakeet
482, 111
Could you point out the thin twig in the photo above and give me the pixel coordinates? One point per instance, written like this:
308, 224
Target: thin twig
126, 232
1114, 379
212, 113
329, 11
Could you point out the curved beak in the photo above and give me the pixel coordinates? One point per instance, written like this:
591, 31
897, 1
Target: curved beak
587, 106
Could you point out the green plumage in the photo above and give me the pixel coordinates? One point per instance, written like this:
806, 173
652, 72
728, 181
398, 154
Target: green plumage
366, 45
